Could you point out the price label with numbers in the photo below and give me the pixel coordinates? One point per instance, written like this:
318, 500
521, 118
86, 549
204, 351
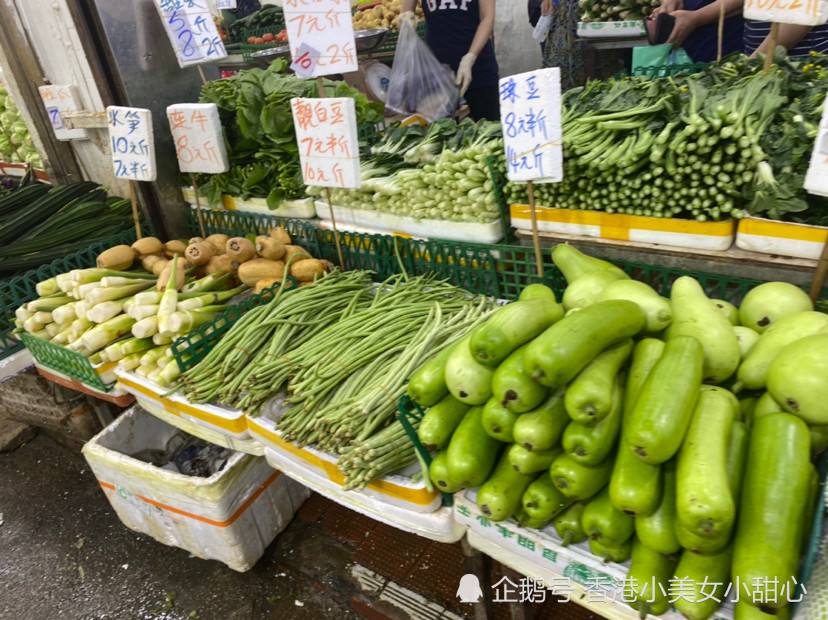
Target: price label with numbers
326, 132
197, 136
816, 181
802, 12
59, 99
131, 143
326, 27
530, 111
191, 30
226, 5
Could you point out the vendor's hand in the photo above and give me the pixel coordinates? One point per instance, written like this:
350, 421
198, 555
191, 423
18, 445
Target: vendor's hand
546, 7
407, 16
668, 6
686, 23
464, 72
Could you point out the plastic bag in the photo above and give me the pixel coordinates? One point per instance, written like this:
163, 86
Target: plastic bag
659, 56
419, 83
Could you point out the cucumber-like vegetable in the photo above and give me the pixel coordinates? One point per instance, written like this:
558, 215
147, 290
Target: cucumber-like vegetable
611, 552
658, 530
796, 379
700, 544
498, 421
743, 610
541, 429
771, 513
439, 422
512, 326
513, 388
704, 503
526, 520
655, 307
542, 500
811, 504
568, 524
579, 481
768, 303
529, 462
695, 316
427, 386
819, 439
604, 522
573, 263
499, 497
467, 380
764, 406
753, 371
537, 291
592, 444
747, 406
746, 338
587, 289
706, 577
471, 453
556, 356
648, 579
439, 474
666, 402
590, 397
646, 353
730, 311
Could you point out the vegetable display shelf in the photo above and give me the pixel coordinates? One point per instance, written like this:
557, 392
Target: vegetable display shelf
299, 209
674, 232
612, 30
572, 572
17, 290
766, 236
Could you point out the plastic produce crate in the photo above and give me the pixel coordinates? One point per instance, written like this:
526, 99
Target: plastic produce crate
231, 516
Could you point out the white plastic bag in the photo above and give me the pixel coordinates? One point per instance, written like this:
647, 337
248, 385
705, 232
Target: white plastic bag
419, 83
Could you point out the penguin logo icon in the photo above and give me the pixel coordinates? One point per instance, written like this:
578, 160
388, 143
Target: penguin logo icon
469, 589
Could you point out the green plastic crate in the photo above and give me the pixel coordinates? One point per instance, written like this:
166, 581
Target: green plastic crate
669, 70
17, 290
65, 361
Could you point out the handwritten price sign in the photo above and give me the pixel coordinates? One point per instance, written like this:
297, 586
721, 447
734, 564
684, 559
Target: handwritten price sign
191, 30
530, 109
326, 132
199, 142
321, 36
131, 143
59, 99
816, 181
802, 12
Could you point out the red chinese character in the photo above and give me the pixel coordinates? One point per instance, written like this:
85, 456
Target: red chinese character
303, 112
177, 120
199, 118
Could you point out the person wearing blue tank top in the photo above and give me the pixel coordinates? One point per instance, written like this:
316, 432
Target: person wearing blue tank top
459, 33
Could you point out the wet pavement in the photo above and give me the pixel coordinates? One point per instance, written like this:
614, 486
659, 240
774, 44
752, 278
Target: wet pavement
65, 554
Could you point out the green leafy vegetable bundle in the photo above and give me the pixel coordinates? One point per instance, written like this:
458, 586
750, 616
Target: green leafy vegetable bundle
615, 10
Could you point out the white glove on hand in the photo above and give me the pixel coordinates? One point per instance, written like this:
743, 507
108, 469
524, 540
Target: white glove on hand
407, 17
464, 72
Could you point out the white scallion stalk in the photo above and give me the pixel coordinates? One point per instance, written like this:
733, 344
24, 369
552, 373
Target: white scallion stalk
169, 374
42, 334
169, 300
141, 311
98, 358
130, 362
145, 328
182, 322
128, 303
84, 276
65, 282
100, 313
43, 317
101, 335
32, 325
147, 298
100, 295
81, 308
53, 329
47, 304
84, 289
65, 314
160, 339
22, 313
164, 359
18, 324
149, 358
207, 299
142, 371
208, 283
110, 281
62, 337
153, 375
130, 346
47, 287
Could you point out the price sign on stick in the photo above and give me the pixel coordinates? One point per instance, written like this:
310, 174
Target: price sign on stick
199, 142
321, 36
191, 30
131, 143
326, 132
530, 111
802, 12
58, 99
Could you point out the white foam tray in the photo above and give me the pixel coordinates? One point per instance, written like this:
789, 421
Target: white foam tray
611, 30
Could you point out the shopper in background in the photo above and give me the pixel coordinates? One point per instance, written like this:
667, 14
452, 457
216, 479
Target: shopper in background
563, 48
696, 26
798, 40
459, 32
541, 21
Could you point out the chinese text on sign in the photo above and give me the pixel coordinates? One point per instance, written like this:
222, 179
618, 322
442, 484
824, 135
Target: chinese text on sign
326, 133
191, 30
131, 143
321, 36
530, 108
196, 132
58, 99
802, 12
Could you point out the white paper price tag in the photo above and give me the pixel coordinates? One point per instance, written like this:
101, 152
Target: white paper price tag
191, 30
131, 143
326, 133
816, 181
530, 111
324, 29
197, 136
802, 12
59, 99
226, 5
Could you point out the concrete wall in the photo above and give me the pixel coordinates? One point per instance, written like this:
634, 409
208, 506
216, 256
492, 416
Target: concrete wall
516, 50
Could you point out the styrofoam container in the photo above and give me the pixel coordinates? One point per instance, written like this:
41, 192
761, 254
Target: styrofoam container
229, 422
571, 571
757, 234
232, 516
491, 232
675, 232
612, 30
301, 208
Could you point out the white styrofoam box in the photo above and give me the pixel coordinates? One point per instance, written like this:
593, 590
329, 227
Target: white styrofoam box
439, 525
301, 208
674, 232
612, 30
571, 571
757, 234
228, 422
491, 232
232, 516
398, 490
15, 363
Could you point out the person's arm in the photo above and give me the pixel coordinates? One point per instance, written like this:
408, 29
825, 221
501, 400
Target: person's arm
668, 6
481, 37
790, 35
407, 6
688, 21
